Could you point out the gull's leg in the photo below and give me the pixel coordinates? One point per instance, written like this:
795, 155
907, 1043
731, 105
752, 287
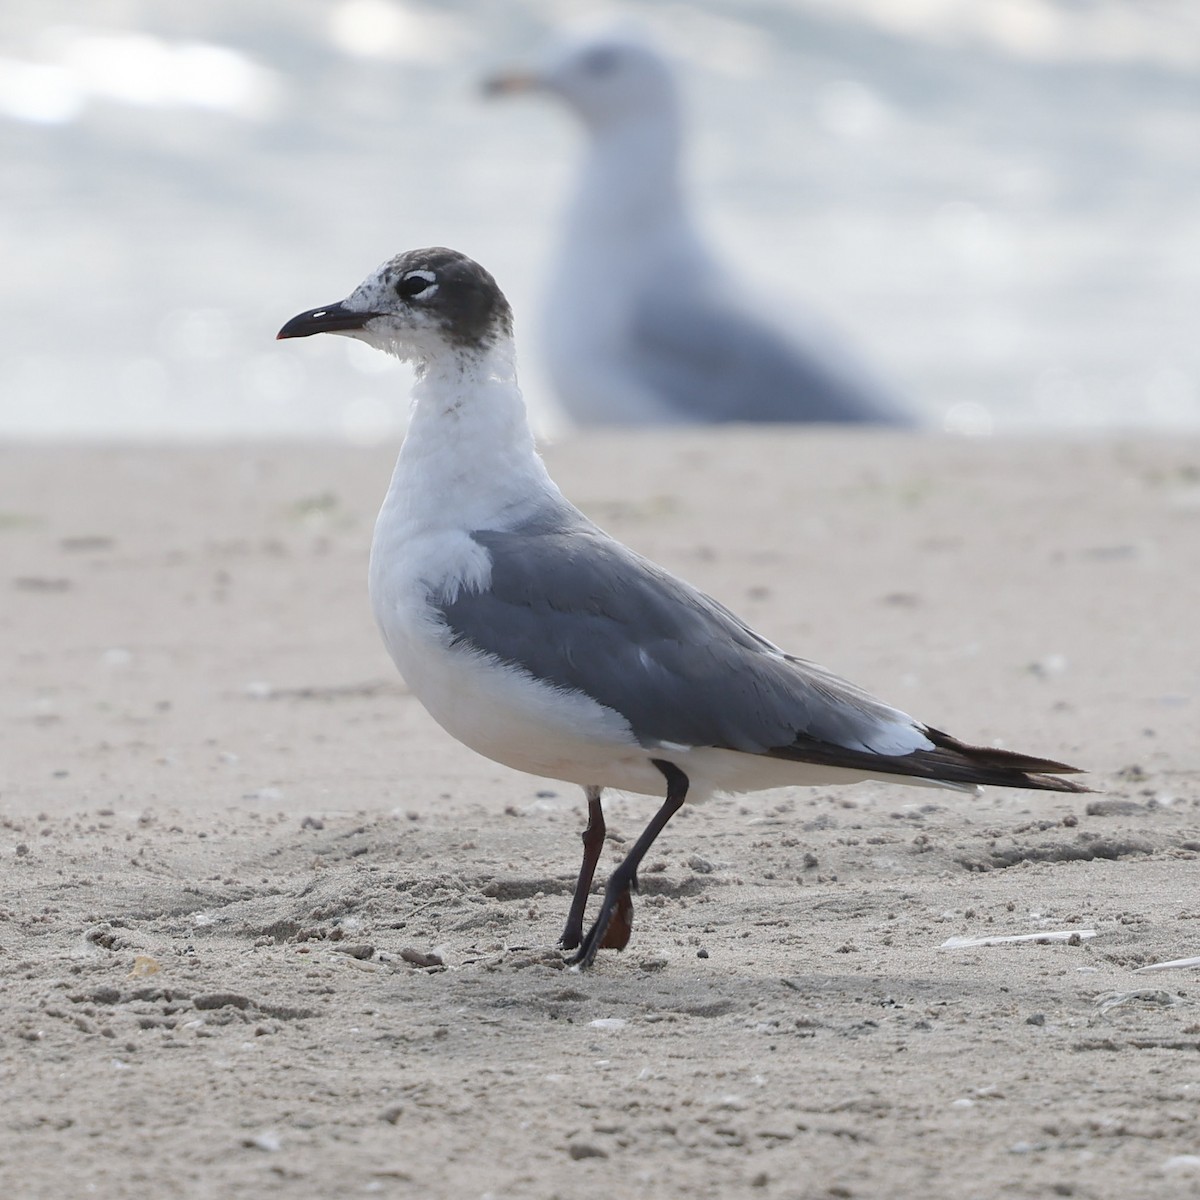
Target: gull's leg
620, 924
617, 904
593, 843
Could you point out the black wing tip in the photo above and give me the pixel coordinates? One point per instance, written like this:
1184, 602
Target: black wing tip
1050, 783
1033, 774
991, 758
950, 762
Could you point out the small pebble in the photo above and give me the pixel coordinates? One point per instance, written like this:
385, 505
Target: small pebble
1114, 807
419, 958
1036, 1019
1182, 1162
355, 950
578, 1150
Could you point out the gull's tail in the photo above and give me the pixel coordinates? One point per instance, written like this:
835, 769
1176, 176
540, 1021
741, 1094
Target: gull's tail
950, 762
956, 762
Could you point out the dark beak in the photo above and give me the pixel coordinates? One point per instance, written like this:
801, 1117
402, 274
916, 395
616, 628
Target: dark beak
510, 83
333, 318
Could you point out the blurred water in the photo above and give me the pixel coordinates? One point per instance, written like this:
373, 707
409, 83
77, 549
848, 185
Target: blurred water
997, 199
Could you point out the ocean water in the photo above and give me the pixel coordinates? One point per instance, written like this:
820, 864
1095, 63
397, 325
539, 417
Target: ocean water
997, 201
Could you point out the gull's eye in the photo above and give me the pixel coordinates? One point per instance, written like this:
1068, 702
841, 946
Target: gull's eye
417, 284
601, 61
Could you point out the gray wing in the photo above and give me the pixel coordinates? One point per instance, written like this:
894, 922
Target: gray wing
711, 360
571, 606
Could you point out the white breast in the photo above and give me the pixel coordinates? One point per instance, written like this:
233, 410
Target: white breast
497, 710
505, 715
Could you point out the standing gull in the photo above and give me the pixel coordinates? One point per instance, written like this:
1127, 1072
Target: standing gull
536, 639
642, 326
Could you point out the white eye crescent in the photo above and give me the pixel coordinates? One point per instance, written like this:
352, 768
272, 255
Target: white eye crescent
417, 284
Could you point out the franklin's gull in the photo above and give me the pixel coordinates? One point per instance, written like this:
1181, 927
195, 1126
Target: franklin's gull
642, 327
537, 640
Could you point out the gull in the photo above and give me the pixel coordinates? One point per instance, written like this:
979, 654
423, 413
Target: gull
539, 641
642, 327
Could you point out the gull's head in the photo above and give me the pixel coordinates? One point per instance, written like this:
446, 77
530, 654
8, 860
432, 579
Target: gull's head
419, 306
609, 80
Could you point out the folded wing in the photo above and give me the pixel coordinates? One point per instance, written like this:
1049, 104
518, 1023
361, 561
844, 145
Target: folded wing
574, 608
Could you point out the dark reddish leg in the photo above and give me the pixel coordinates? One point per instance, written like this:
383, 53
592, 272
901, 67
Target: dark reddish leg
612, 926
593, 843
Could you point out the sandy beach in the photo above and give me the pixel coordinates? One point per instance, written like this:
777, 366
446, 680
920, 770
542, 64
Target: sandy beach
267, 931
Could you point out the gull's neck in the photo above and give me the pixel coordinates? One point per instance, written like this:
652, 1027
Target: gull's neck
630, 185
468, 460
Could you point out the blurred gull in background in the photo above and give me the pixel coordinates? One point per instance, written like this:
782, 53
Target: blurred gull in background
643, 327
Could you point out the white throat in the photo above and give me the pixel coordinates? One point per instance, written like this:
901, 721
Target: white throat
468, 460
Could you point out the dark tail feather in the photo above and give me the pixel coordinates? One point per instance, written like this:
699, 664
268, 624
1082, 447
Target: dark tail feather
1005, 768
950, 761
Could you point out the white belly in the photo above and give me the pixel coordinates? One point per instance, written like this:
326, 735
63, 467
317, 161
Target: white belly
503, 714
